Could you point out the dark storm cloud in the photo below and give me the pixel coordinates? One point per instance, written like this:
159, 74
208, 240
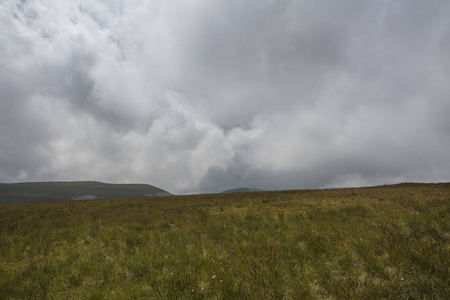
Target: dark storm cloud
199, 96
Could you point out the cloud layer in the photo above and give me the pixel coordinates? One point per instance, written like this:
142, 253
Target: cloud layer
202, 96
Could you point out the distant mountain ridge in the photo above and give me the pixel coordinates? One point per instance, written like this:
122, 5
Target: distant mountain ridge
242, 190
73, 190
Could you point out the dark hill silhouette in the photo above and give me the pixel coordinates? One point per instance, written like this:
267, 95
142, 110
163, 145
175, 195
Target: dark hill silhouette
73, 190
242, 190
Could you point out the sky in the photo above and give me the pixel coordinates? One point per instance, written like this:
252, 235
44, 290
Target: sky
202, 96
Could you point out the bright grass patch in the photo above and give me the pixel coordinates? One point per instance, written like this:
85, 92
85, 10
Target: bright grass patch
390, 242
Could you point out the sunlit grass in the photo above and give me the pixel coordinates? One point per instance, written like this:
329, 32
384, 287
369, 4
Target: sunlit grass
387, 242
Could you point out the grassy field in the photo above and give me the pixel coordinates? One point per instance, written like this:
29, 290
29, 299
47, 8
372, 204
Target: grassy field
390, 242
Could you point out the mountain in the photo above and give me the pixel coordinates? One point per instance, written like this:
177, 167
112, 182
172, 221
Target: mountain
74, 190
242, 190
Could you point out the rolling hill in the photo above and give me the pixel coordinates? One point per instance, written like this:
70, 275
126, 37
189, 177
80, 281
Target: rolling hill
242, 190
75, 190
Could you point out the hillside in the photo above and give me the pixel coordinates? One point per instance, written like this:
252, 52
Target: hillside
388, 242
75, 190
242, 190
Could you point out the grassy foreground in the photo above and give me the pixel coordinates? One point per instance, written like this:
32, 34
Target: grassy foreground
388, 242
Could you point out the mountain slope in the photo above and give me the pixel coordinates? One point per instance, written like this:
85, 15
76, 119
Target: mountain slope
75, 190
242, 190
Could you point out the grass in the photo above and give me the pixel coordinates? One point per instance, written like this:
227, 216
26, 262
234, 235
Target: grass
390, 242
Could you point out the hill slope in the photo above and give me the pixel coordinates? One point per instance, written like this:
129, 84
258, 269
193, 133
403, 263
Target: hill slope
76, 190
242, 190
390, 242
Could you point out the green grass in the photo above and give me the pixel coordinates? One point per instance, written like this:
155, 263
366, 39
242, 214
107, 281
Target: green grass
390, 242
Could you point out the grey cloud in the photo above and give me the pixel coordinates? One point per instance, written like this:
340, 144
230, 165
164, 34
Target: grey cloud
205, 96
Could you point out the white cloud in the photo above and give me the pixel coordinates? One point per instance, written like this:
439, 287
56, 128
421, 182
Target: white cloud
200, 96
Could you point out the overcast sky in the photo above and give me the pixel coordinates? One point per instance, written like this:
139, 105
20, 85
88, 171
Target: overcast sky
202, 96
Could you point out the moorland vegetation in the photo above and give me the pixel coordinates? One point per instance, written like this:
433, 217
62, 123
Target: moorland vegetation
388, 242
